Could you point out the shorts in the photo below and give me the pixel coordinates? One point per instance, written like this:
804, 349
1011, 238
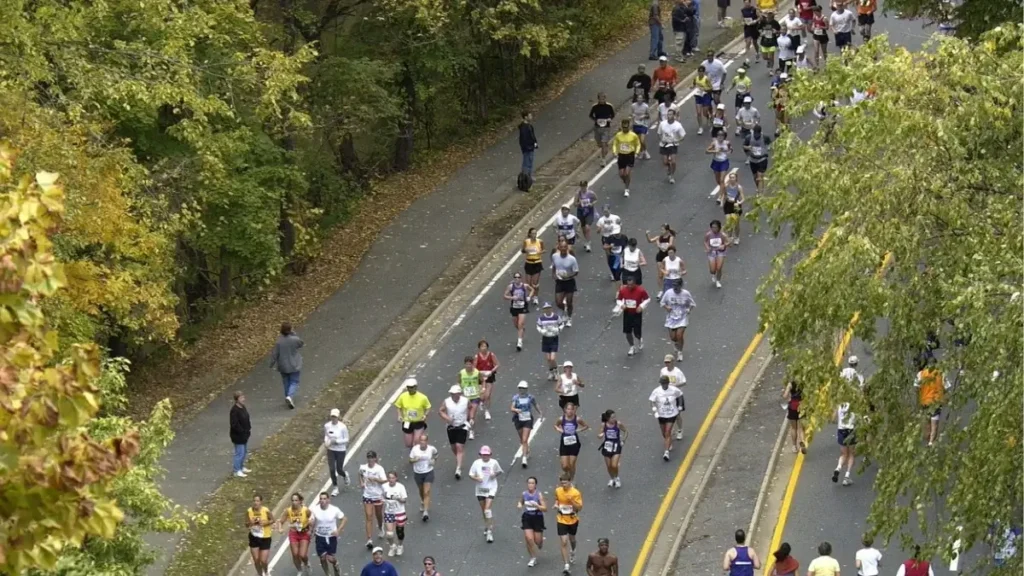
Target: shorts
730, 208
457, 435
675, 323
632, 323
843, 39
720, 165
660, 93
567, 529
602, 134
549, 344
738, 101
640, 129
669, 150
563, 400
751, 32
791, 412
533, 522
423, 478
866, 19
611, 448
715, 130
821, 38
660, 256
491, 378
571, 240
846, 437
565, 286
704, 100
326, 546
626, 161
767, 49
484, 498
475, 401
759, 166
522, 424
637, 275
668, 420
532, 268
570, 450
517, 311
934, 412
410, 427
396, 519
374, 501
295, 536
717, 95
260, 543
585, 215
715, 254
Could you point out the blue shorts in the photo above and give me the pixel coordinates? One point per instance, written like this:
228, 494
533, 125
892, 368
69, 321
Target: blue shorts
326, 546
641, 130
720, 165
846, 437
704, 100
585, 214
549, 345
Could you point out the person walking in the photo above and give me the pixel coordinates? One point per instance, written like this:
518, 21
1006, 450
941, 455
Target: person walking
288, 361
527, 142
239, 430
336, 442
654, 21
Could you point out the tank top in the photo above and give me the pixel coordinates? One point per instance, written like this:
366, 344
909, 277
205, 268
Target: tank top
533, 250
470, 382
718, 121
743, 84
299, 521
485, 363
525, 406
566, 226
732, 193
631, 259
757, 150
915, 568
664, 241
569, 437
721, 150
569, 387
531, 502
611, 438
673, 268
518, 294
259, 530
741, 565
703, 85
716, 242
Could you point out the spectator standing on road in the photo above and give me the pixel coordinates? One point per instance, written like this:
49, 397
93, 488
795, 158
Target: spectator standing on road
695, 34
527, 142
336, 442
740, 560
288, 361
723, 6
378, 566
240, 429
657, 38
785, 565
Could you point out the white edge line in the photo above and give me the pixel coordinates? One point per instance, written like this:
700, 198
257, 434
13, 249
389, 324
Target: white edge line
954, 564
533, 433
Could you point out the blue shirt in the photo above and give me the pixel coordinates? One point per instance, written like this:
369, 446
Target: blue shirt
383, 569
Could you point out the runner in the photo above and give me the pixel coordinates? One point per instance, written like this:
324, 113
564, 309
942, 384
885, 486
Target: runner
677, 303
786, 51
549, 325
614, 246
568, 504
518, 295
702, 98
566, 225
602, 114
824, 564
564, 269
715, 244
613, 433
328, 523
850, 372
719, 123
524, 411
423, 456
626, 144
665, 79
780, 99
470, 381
731, 198
631, 301
585, 201
641, 118
802, 63
866, 17
487, 363
847, 438
868, 558
413, 408
568, 385
371, 479
633, 262
742, 83
720, 148
785, 564
756, 147
533, 249
792, 25
677, 379
751, 30
670, 133
378, 566
297, 516
665, 407
806, 11
931, 387
747, 117
841, 22
429, 567
607, 222
793, 396
640, 83
741, 560
532, 503
716, 72
770, 30
603, 563
336, 442
395, 497
455, 412
569, 427
259, 521
819, 31
665, 240
914, 566
485, 472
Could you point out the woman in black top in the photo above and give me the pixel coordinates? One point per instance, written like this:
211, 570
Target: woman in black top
793, 397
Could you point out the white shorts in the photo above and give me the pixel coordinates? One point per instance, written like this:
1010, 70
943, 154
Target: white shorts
676, 323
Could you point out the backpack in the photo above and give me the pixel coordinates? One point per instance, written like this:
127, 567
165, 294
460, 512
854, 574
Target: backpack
524, 182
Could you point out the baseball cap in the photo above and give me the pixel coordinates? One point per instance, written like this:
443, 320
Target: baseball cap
747, 99
721, 106
410, 382
546, 305
523, 384
485, 450
335, 413
567, 363
669, 358
455, 389
853, 360
377, 549
663, 58
801, 49
741, 70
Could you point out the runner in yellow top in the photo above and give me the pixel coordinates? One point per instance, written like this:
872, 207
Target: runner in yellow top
260, 522
469, 381
568, 503
767, 5
533, 251
297, 518
626, 144
413, 407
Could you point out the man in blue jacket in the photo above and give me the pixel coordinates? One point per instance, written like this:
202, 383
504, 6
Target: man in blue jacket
378, 566
527, 142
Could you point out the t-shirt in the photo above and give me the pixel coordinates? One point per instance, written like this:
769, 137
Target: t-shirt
423, 460
675, 376
823, 566
617, 242
680, 305
326, 519
792, 25
852, 376
672, 133
664, 400
626, 142
845, 418
602, 114
632, 297
457, 410
842, 21
758, 147
641, 113
373, 477
566, 225
748, 117
393, 496
413, 406
641, 85
665, 77
336, 436
565, 266
716, 71
749, 14
567, 503
869, 559
867, 6
606, 223
489, 471
805, 8
932, 388
786, 51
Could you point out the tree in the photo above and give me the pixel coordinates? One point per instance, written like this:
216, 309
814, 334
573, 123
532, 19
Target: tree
928, 171
973, 17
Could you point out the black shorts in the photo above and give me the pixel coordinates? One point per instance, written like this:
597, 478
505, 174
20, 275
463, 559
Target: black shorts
517, 311
532, 268
522, 424
669, 150
410, 427
626, 160
260, 543
567, 529
738, 101
491, 377
715, 130
611, 448
731, 208
637, 275
792, 415
846, 437
424, 478
661, 92
565, 286
865, 19
751, 32
671, 420
585, 215
563, 400
549, 344
457, 435
759, 166
632, 323
570, 450
660, 256
533, 522
821, 38
716, 95
843, 39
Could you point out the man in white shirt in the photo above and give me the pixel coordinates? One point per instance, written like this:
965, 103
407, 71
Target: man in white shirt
791, 23
423, 456
666, 410
671, 133
746, 118
485, 471
566, 225
336, 442
607, 223
851, 374
847, 439
841, 21
328, 521
868, 558
455, 412
715, 70
677, 379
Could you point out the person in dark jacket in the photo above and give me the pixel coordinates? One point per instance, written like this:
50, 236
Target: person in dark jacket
527, 142
288, 360
239, 430
640, 83
683, 20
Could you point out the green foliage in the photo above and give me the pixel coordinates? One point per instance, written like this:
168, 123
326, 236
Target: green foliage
973, 17
929, 172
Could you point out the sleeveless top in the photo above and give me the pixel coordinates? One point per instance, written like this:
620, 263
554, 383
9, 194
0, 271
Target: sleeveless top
485, 363
530, 503
611, 438
299, 521
631, 259
757, 150
470, 382
741, 565
569, 387
518, 294
732, 193
718, 121
525, 405
664, 241
259, 530
673, 268
721, 150
533, 250
569, 436
716, 238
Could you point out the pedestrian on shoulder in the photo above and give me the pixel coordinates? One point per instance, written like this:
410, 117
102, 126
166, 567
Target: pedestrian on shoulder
288, 361
657, 38
527, 142
239, 430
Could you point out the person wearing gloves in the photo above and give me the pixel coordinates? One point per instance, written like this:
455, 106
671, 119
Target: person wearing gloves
336, 442
631, 302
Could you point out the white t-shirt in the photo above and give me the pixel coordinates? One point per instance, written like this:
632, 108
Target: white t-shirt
675, 376
845, 418
641, 113
869, 559
489, 471
374, 477
392, 497
566, 225
793, 25
568, 384
841, 21
423, 460
458, 411
851, 375
671, 133
606, 223
664, 400
786, 50
336, 436
325, 520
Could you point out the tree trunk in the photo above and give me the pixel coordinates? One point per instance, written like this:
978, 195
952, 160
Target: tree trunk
224, 284
404, 143
481, 77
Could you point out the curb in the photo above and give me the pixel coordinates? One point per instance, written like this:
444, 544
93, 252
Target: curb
762, 493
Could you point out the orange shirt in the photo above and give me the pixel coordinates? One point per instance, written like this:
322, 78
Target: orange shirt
666, 76
867, 6
931, 387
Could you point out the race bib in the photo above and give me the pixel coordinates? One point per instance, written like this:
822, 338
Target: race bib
715, 242
406, 426
585, 202
609, 446
569, 440
483, 491
748, 21
818, 31
566, 509
757, 151
324, 530
525, 416
530, 505
667, 409
719, 121
518, 303
625, 149
629, 303
297, 526
256, 531
532, 250
392, 505
675, 314
700, 92
412, 414
602, 122
470, 392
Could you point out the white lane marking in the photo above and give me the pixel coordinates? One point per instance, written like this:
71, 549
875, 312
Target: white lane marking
533, 433
714, 193
431, 353
954, 564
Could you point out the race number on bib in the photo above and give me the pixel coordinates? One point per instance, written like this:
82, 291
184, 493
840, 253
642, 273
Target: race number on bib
609, 446
569, 440
256, 531
625, 148
412, 414
629, 303
757, 151
470, 391
602, 122
518, 303
715, 242
566, 509
483, 492
525, 416
324, 530
297, 526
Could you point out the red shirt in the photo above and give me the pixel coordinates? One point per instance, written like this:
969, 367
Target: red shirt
805, 9
485, 363
666, 77
632, 298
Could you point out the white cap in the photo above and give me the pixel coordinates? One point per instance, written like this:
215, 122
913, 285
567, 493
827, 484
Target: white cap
567, 363
335, 413
485, 450
377, 549
741, 70
455, 389
409, 383
663, 58
783, 76
853, 360
669, 358
747, 99
566, 207
523, 384
801, 49
721, 106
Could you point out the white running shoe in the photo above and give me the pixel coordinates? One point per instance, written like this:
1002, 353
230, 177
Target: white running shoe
679, 356
536, 302
626, 193
334, 491
487, 414
348, 479
659, 295
611, 483
679, 434
718, 284
288, 400
471, 435
640, 343
568, 322
525, 461
618, 482
458, 473
671, 180
369, 544
490, 537
632, 350
380, 532
246, 470
532, 562
572, 557
666, 456
519, 345
399, 551
587, 246
700, 131
737, 242
241, 474
391, 550
847, 481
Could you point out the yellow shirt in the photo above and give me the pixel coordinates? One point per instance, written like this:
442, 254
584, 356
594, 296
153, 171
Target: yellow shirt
470, 382
261, 530
626, 142
703, 83
534, 250
765, 5
567, 504
298, 520
413, 408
